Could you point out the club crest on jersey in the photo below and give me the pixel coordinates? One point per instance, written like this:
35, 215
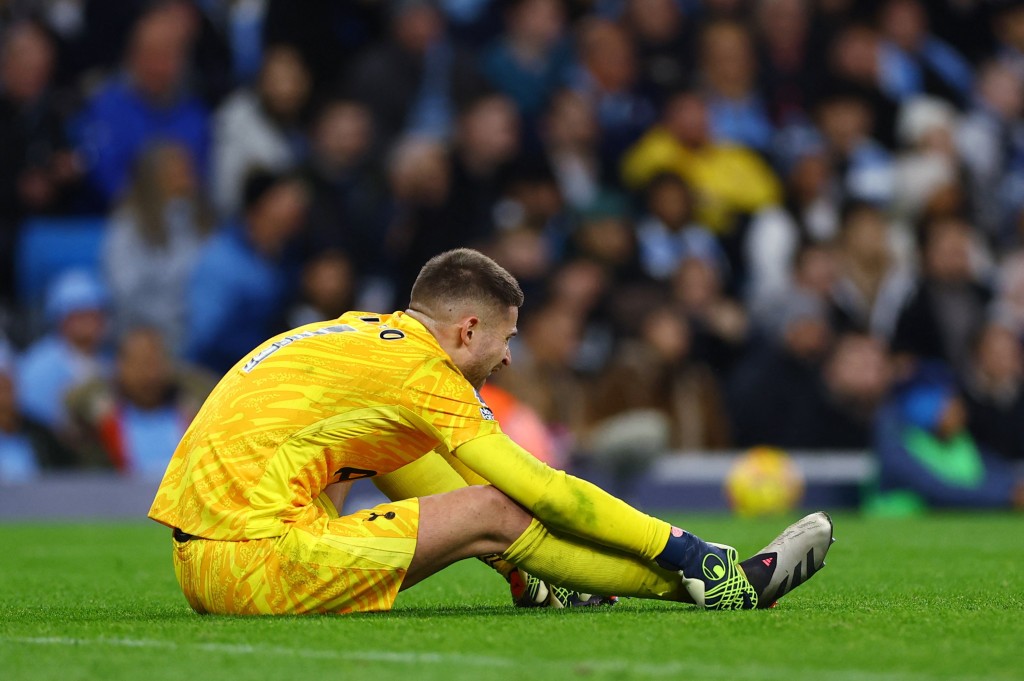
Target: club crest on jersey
485, 411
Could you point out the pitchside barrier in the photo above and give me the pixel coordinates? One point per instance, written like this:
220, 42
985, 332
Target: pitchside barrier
683, 482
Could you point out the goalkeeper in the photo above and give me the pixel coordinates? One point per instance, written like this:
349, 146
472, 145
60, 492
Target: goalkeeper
252, 490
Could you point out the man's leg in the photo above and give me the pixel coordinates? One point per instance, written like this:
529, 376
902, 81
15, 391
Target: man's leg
464, 523
573, 562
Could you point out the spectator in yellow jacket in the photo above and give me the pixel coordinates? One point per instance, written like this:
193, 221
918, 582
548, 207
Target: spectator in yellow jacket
729, 180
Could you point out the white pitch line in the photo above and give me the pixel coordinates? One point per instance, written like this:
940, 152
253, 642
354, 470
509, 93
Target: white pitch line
670, 669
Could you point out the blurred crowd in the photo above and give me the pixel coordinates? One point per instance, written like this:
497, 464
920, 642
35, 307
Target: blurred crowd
737, 222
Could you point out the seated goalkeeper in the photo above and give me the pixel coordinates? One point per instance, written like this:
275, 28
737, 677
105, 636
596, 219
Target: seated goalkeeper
252, 490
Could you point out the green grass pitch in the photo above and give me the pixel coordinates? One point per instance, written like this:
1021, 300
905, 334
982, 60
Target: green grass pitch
930, 598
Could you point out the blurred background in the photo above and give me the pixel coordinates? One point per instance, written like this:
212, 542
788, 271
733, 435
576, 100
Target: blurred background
793, 226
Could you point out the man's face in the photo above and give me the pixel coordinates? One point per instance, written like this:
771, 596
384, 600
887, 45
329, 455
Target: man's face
488, 346
143, 369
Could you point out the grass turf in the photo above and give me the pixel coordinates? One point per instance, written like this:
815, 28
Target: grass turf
930, 598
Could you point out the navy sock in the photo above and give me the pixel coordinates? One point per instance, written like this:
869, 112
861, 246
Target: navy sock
684, 551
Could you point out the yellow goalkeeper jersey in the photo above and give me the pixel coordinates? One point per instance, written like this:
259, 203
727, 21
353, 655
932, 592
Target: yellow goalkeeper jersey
358, 396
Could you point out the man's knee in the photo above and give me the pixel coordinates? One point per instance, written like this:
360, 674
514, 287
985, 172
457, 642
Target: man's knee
507, 519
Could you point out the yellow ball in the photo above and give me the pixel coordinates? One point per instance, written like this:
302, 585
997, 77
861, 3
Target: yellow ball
764, 481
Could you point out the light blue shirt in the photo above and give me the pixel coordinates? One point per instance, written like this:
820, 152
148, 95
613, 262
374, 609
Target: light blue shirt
18, 462
149, 438
46, 372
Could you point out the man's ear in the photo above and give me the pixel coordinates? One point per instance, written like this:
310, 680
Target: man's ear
469, 326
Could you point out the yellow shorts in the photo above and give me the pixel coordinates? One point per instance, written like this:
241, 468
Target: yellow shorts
353, 563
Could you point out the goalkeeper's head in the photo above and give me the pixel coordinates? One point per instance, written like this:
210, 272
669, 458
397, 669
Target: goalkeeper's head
471, 305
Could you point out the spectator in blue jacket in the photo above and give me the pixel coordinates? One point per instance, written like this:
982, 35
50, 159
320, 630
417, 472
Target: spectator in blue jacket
915, 60
147, 103
67, 356
928, 459
245, 275
531, 59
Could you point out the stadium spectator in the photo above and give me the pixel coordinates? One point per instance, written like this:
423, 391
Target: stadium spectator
545, 350
994, 392
327, 289
586, 286
667, 233
663, 33
486, 143
776, 392
916, 59
789, 54
607, 78
809, 213
152, 243
1008, 306
527, 255
330, 34
719, 324
349, 197
96, 40
261, 128
967, 26
871, 285
606, 237
244, 275
840, 85
416, 81
856, 376
137, 417
949, 304
150, 101
655, 396
815, 270
569, 133
534, 227
990, 141
855, 64
531, 199
1008, 29
38, 167
862, 164
531, 59
929, 163
26, 447
419, 180
69, 355
728, 78
605, 234
928, 459
39, 171
728, 180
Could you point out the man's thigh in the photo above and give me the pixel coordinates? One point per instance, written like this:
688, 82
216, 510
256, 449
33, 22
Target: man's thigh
353, 563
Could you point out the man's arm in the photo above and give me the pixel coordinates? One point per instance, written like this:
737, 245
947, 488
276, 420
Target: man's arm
561, 501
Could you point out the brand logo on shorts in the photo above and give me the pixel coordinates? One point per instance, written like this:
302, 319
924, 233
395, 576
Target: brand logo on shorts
390, 515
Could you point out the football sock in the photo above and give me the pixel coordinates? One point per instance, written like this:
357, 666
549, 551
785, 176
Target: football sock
566, 504
685, 551
577, 564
